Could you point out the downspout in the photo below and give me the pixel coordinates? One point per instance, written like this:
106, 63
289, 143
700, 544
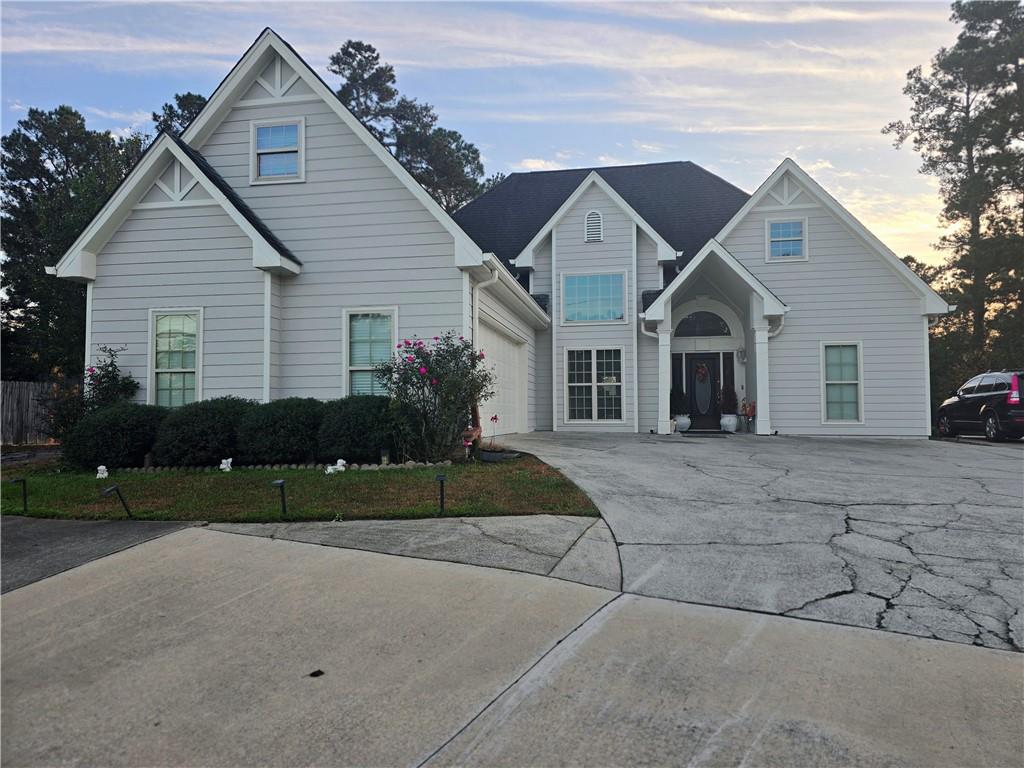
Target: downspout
476, 298
643, 328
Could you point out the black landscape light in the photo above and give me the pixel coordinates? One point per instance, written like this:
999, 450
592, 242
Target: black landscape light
284, 504
117, 489
440, 480
24, 492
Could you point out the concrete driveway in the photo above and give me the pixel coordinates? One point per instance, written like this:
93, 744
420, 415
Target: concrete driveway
208, 648
919, 537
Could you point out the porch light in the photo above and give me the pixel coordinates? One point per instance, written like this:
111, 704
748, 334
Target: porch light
741, 355
117, 489
284, 504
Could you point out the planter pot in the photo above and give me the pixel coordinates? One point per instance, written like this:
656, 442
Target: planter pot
729, 422
682, 423
486, 455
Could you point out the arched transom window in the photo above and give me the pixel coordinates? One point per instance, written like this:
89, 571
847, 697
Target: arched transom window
702, 323
593, 229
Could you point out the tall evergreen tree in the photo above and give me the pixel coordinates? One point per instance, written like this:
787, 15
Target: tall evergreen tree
175, 116
440, 159
56, 175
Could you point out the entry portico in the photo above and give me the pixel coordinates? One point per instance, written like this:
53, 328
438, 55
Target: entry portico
714, 282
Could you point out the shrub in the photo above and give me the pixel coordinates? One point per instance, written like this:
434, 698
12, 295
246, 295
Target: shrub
281, 432
727, 401
104, 382
116, 436
201, 434
436, 384
63, 406
356, 429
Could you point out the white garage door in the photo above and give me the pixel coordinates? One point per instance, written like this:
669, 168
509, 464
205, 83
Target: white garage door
508, 359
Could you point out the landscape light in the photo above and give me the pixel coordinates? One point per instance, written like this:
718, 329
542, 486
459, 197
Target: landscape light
440, 481
284, 504
24, 492
117, 489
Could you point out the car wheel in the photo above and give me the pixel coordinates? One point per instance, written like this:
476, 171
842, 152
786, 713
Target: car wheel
946, 426
992, 428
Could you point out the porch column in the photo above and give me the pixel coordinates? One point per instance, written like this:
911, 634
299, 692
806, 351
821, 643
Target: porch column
664, 378
763, 418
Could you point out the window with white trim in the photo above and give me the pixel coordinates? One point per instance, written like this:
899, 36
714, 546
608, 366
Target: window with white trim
593, 227
842, 382
371, 339
599, 298
175, 353
277, 151
786, 240
594, 384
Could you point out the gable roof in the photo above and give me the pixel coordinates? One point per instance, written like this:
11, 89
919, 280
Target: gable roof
240, 205
684, 203
933, 302
79, 262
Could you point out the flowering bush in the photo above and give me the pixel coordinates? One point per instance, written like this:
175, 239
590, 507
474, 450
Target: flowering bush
434, 386
104, 382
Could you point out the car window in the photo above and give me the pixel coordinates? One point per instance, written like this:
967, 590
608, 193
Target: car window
968, 388
1001, 386
985, 385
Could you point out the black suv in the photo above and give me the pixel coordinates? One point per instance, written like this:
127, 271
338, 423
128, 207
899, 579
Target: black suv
988, 405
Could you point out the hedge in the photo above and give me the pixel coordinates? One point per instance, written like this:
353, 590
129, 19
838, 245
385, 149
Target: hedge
356, 429
281, 431
115, 436
201, 434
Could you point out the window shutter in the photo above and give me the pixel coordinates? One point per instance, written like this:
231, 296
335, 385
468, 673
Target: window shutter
593, 228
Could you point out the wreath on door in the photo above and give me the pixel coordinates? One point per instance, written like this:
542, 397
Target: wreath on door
702, 372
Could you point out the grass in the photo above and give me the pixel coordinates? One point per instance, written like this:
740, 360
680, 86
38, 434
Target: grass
523, 486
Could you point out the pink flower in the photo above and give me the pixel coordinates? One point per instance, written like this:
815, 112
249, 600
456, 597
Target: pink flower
419, 343
407, 343
409, 358
423, 371
437, 338
90, 369
433, 382
462, 338
398, 346
481, 355
466, 442
494, 419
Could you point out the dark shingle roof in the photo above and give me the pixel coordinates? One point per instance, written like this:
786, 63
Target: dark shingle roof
685, 204
248, 213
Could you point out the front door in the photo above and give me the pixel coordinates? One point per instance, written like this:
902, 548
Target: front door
702, 385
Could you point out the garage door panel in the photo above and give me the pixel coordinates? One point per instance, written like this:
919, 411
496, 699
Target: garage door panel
507, 358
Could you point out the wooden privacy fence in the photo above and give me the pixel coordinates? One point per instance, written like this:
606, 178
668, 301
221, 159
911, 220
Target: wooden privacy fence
22, 416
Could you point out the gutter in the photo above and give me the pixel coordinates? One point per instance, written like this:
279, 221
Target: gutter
491, 262
643, 328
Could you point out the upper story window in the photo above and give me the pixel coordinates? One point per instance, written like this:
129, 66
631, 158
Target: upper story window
593, 227
787, 240
599, 298
278, 149
702, 323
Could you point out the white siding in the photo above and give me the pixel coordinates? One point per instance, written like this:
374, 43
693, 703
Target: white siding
844, 292
648, 271
362, 237
573, 255
183, 257
540, 401
648, 278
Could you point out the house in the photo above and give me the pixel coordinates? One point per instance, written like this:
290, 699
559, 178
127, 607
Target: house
277, 249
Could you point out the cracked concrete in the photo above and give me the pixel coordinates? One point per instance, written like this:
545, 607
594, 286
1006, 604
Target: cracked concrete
572, 548
918, 537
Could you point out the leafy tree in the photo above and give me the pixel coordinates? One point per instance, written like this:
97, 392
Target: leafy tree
56, 175
492, 181
440, 159
174, 118
967, 124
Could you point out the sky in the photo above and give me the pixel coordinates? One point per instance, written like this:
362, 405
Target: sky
734, 87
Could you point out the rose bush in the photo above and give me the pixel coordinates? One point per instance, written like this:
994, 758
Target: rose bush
433, 386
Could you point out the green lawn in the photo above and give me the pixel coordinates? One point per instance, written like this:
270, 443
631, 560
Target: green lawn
524, 486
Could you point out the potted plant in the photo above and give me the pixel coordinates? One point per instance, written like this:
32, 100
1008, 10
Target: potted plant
677, 400
729, 406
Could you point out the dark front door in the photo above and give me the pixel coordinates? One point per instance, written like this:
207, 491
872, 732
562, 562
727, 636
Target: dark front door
702, 385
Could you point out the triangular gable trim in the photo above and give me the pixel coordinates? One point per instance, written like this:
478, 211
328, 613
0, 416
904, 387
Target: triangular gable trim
933, 303
665, 251
79, 262
773, 305
467, 252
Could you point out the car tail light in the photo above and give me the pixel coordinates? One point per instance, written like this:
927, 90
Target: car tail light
1013, 398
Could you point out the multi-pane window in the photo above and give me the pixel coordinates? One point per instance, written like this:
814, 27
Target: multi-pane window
594, 298
842, 382
277, 152
594, 383
786, 240
370, 341
175, 353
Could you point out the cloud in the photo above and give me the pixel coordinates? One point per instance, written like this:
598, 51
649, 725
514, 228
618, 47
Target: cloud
536, 164
650, 147
781, 13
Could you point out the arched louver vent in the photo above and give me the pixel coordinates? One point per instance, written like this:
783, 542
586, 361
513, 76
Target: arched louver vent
594, 228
